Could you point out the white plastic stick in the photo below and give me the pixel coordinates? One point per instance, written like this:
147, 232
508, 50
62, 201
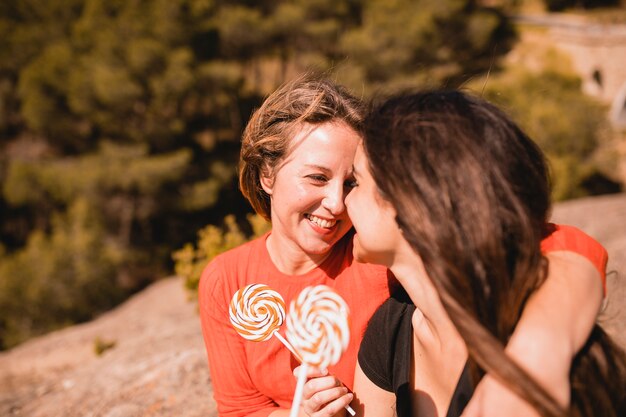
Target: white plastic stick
297, 398
288, 345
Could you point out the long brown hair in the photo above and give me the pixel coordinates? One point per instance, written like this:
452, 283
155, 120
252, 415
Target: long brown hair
308, 99
471, 192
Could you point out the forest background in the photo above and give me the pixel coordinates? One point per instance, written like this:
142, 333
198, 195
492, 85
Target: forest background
120, 124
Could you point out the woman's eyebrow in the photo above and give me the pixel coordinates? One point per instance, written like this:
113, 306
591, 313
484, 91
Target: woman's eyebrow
319, 167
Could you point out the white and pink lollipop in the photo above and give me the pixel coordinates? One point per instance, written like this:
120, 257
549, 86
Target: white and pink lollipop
318, 328
257, 312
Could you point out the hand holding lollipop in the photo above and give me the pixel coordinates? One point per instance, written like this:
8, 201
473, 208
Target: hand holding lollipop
318, 328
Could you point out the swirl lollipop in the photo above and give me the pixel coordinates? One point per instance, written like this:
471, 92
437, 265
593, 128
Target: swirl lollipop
257, 312
318, 329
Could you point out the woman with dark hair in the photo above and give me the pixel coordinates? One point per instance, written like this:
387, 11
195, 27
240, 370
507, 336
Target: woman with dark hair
453, 197
296, 169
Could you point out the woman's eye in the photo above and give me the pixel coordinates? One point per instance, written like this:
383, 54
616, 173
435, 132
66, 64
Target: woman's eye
317, 178
351, 183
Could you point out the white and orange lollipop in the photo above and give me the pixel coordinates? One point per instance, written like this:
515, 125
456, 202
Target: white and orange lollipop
318, 328
257, 312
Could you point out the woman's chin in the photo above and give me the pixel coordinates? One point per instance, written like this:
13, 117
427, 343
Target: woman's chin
365, 256
358, 252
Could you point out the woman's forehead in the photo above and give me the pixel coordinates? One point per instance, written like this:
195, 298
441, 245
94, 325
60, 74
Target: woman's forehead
330, 139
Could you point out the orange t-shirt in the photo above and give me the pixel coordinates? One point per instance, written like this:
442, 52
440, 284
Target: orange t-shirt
563, 237
254, 378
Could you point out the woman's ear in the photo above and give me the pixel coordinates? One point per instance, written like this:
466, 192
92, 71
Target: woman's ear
267, 180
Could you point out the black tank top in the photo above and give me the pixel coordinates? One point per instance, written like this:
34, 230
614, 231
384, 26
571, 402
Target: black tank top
385, 355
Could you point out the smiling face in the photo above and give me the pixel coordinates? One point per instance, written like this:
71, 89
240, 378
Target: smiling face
307, 190
378, 237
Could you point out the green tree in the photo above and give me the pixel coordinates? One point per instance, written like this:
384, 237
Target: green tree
121, 180
58, 278
405, 44
567, 125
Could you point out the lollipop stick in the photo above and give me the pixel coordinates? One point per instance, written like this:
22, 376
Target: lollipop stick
297, 398
288, 346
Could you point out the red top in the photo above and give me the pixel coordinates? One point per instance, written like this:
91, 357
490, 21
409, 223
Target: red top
563, 237
253, 378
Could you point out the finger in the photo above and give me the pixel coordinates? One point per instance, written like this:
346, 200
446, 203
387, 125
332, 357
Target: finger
311, 372
324, 383
331, 407
335, 406
423, 329
316, 372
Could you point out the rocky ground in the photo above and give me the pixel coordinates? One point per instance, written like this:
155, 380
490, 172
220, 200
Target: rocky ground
157, 366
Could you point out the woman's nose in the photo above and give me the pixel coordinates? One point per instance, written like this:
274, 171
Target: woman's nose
334, 201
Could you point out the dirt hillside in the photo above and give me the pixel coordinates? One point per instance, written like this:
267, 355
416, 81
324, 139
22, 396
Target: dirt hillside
157, 366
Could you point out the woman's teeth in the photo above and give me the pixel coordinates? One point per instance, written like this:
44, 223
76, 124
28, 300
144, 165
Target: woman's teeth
321, 222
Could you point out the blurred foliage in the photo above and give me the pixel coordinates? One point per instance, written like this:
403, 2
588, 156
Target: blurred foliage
213, 240
551, 108
427, 43
120, 125
61, 277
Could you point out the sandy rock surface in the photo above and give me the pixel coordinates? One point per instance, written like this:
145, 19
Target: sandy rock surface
158, 365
